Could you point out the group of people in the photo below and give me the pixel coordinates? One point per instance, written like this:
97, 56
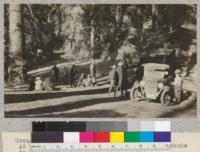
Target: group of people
88, 81
41, 84
119, 79
78, 81
70, 75
47, 82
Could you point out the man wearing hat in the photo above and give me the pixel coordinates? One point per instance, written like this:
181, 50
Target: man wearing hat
178, 81
123, 78
114, 78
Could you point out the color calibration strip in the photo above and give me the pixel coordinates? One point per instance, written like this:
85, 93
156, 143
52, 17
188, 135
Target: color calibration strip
100, 137
101, 132
101, 126
21, 142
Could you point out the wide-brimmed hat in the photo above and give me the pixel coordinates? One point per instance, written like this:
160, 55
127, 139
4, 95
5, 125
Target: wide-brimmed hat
114, 67
120, 63
177, 71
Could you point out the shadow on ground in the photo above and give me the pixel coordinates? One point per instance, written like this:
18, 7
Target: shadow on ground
191, 103
64, 107
33, 95
89, 114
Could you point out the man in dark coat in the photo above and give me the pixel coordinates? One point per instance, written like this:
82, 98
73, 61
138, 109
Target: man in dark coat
66, 75
114, 79
123, 78
72, 75
32, 83
55, 73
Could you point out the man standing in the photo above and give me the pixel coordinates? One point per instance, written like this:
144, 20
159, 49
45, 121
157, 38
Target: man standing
23, 73
114, 78
123, 78
72, 76
66, 75
55, 73
120, 72
178, 81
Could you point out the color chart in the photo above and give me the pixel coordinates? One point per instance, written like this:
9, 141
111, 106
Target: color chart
101, 132
180, 142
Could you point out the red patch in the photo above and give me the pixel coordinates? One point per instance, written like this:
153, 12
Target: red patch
102, 137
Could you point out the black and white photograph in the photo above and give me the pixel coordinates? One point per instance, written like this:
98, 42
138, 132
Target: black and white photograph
100, 60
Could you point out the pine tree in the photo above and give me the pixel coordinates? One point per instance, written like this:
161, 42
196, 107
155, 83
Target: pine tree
16, 72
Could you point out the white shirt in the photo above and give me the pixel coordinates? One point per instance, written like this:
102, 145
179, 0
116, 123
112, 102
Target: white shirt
38, 85
178, 81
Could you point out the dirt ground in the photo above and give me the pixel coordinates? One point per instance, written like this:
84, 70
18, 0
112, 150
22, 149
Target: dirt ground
100, 105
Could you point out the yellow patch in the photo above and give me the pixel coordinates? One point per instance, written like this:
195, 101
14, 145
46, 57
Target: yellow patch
116, 137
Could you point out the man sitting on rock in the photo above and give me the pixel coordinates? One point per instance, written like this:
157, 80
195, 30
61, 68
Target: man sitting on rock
38, 84
47, 84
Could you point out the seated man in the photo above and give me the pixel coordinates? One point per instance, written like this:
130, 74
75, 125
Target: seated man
38, 84
88, 81
47, 84
81, 80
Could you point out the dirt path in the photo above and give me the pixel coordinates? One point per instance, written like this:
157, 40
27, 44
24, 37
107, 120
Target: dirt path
99, 105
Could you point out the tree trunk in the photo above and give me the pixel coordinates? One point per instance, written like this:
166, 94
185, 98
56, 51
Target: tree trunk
154, 16
92, 51
6, 42
15, 51
92, 36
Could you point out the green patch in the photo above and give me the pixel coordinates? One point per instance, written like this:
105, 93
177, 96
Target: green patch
132, 136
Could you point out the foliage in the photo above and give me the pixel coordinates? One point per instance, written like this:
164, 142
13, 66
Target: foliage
65, 29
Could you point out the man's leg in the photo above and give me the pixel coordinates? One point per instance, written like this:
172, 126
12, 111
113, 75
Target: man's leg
56, 78
121, 89
126, 92
110, 90
115, 90
177, 93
